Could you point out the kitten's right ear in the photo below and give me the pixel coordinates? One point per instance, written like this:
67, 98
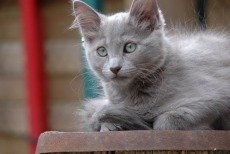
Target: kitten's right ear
87, 19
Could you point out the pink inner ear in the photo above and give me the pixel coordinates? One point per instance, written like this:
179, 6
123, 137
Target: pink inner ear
144, 13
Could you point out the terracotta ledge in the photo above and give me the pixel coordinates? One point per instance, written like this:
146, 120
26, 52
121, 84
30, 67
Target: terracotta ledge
53, 142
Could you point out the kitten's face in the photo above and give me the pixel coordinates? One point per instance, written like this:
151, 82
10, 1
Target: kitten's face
123, 47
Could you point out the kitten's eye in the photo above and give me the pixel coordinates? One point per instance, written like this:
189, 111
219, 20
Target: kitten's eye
102, 52
130, 47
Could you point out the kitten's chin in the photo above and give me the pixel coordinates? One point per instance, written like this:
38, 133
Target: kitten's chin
121, 80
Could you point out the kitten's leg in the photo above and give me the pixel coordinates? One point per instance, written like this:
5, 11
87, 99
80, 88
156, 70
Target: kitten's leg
90, 112
93, 113
123, 118
100, 115
178, 120
226, 122
105, 127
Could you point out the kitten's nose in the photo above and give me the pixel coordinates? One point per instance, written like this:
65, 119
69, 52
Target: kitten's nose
115, 70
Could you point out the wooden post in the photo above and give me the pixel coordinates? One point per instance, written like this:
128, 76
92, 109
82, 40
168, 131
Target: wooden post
138, 142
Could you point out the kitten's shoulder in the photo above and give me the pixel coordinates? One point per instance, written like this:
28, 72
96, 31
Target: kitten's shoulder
205, 52
187, 39
201, 45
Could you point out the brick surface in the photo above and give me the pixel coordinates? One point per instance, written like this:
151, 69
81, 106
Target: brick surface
12, 88
62, 57
110, 6
12, 59
220, 17
63, 116
13, 117
10, 144
178, 12
64, 88
57, 18
10, 28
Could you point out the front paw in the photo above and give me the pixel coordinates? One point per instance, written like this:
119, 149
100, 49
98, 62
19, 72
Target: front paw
106, 127
96, 124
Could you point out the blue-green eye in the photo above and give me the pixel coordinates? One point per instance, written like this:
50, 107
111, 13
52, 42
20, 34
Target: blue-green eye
101, 51
130, 47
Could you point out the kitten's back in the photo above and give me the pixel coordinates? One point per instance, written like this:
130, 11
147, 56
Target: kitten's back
207, 52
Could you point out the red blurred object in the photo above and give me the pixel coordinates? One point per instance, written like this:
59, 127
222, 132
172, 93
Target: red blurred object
35, 74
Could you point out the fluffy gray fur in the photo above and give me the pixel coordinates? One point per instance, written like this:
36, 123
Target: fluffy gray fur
179, 82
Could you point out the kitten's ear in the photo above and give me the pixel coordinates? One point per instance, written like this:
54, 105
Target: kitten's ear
144, 14
87, 19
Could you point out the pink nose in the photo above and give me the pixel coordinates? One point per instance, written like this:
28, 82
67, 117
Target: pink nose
115, 70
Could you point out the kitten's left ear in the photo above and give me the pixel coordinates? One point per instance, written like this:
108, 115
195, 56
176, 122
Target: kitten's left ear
87, 19
144, 14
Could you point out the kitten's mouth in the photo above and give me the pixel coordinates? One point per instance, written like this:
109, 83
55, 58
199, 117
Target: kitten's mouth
119, 78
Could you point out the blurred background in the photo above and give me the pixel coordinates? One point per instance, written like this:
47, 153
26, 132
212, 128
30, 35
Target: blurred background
59, 62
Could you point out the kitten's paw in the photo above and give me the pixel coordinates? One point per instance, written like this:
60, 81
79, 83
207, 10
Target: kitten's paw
106, 127
91, 112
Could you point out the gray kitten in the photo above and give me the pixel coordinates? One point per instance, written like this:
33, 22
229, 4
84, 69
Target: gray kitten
153, 80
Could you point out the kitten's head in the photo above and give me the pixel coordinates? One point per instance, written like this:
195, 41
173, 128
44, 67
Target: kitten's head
123, 46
